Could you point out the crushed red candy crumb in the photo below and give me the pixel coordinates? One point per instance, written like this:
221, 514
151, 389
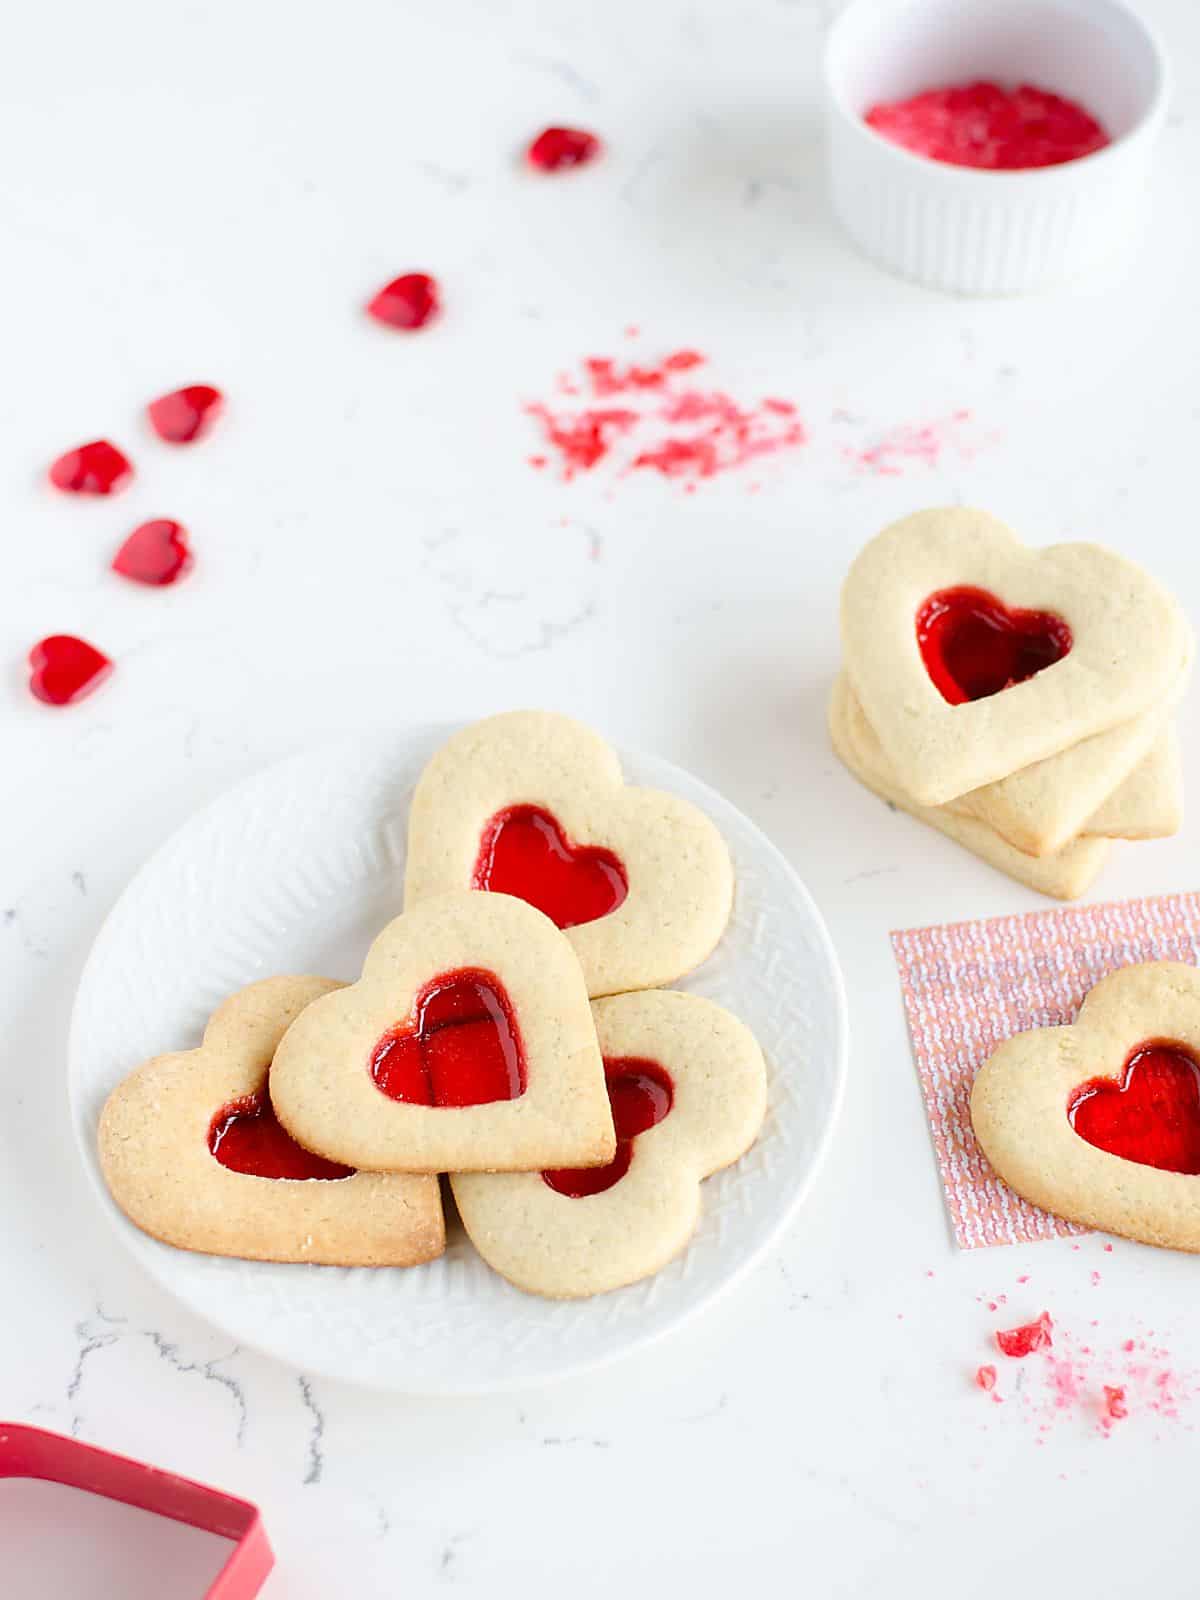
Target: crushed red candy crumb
1098, 1382
408, 302
556, 149
1023, 1341
580, 441
985, 1377
665, 421
923, 443
1115, 1405
95, 468
984, 125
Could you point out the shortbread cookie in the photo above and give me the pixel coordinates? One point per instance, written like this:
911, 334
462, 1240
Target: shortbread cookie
467, 1045
1043, 807
688, 1089
1064, 875
1034, 804
533, 804
192, 1154
1100, 1122
974, 657
1149, 804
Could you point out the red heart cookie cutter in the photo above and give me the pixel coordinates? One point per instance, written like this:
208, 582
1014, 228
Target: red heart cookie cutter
34, 1453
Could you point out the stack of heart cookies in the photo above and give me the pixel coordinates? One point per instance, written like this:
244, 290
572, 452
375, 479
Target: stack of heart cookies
1020, 701
510, 1029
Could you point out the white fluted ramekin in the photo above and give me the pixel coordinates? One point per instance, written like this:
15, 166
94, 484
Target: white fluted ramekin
986, 232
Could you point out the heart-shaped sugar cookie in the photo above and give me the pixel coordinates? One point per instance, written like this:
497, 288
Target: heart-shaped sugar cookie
974, 657
467, 1045
1100, 1122
1065, 874
688, 1090
533, 804
1038, 811
1149, 804
192, 1154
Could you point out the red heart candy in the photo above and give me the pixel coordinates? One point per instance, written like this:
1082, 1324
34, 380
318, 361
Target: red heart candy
155, 553
463, 1049
641, 1094
246, 1136
64, 669
556, 148
185, 414
525, 853
1152, 1115
408, 302
96, 468
974, 646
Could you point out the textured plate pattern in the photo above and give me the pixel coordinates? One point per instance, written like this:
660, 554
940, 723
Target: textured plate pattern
295, 871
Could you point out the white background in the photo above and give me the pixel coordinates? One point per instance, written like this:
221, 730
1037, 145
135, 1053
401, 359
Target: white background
207, 192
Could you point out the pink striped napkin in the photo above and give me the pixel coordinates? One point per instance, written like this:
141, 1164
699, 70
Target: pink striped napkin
969, 985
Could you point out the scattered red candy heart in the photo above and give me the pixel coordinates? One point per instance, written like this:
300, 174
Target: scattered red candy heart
95, 468
408, 302
156, 553
557, 148
185, 414
64, 669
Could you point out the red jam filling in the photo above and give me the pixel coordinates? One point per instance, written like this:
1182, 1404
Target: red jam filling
525, 853
408, 302
63, 669
157, 553
641, 1094
246, 1136
186, 414
1151, 1116
1025, 1340
973, 645
463, 1049
984, 125
95, 468
557, 148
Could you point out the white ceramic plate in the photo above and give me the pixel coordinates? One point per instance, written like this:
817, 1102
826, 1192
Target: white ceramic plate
295, 871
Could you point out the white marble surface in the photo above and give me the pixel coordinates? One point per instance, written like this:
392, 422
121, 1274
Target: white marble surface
207, 192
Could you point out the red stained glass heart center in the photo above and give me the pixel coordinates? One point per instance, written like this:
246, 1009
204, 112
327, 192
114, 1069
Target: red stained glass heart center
246, 1136
525, 853
463, 1049
1152, 1115
641, 1094
973, 645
